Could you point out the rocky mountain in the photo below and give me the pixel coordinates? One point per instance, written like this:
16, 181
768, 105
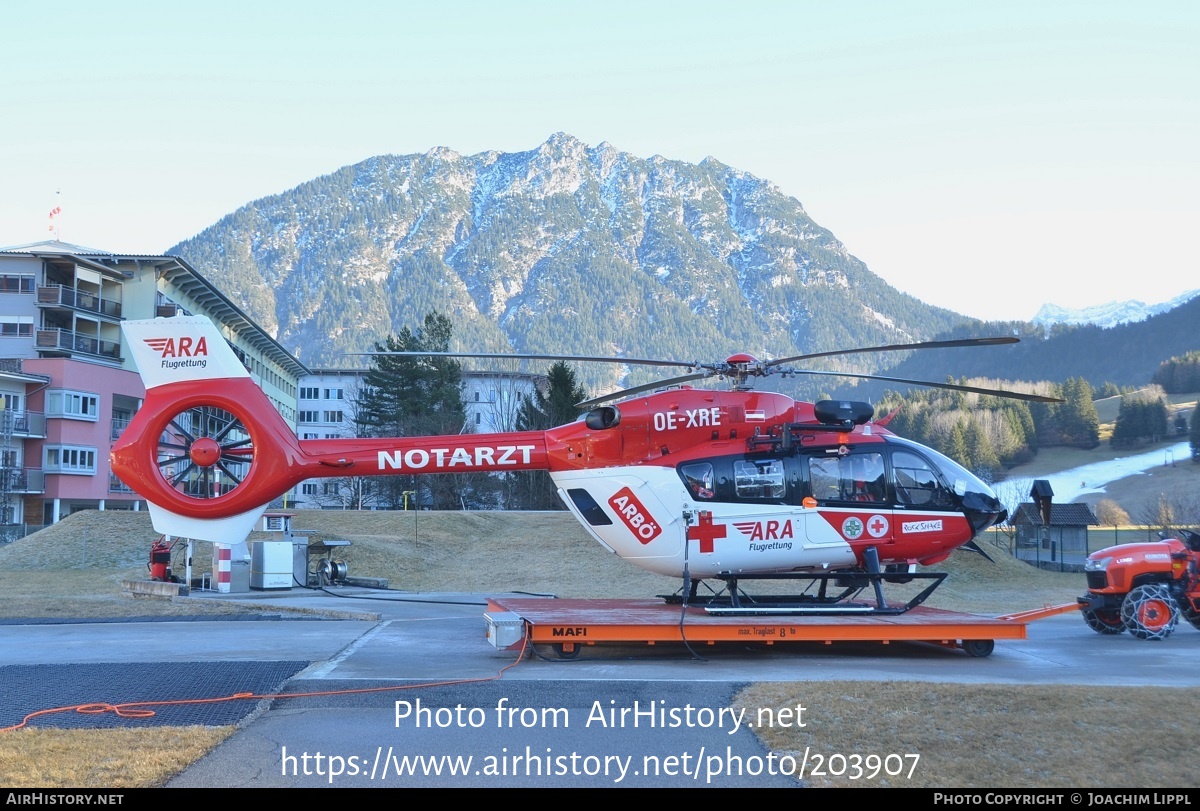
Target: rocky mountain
563, 248
1108, 315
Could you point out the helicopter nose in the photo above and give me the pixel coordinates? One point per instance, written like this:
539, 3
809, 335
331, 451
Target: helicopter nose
983, 510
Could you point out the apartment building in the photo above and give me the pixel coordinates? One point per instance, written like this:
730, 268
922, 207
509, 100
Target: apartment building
68, 386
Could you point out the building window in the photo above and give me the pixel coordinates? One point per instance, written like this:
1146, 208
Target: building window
69, 459
16, 283
75, 405
16, 326
478, 418
309, 416
23, 329
333, 416
309, 392
308, 489
334, 394
11, 402
309, 435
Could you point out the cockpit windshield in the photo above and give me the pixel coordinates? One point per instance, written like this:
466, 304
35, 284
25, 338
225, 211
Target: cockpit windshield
952, 473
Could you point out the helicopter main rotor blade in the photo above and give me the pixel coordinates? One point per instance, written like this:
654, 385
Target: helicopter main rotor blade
1003, 339
658, 384
1012, 395
513, 356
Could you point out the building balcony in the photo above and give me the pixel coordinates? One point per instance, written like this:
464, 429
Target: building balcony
118, 428
22, 480
56, 296
67, 341
23, 424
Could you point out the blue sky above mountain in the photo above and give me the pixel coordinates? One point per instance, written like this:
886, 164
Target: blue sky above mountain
984, 158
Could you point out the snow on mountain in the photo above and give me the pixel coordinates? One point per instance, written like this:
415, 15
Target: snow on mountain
1108, 315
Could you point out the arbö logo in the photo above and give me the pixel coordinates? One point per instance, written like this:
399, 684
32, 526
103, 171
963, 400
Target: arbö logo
635, 515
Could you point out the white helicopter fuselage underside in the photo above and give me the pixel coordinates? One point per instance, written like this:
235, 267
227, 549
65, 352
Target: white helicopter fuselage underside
654, 523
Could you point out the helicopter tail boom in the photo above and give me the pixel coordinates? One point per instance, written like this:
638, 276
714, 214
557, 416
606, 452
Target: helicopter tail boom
208, 450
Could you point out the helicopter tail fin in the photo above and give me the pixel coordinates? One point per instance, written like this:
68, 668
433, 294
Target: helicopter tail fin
178, 349
207, 449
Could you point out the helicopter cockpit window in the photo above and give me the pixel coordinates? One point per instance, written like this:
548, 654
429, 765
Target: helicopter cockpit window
698, 477
858, 477
758, 478
916, 482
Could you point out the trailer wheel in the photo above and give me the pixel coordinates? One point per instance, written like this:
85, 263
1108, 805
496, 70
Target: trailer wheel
1104, 622
979, 648
1150, 612
567, 650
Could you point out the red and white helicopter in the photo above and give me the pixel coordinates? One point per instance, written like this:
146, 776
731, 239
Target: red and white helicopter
692, 483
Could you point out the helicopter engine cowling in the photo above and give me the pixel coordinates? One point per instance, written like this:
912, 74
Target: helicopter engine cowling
603, 418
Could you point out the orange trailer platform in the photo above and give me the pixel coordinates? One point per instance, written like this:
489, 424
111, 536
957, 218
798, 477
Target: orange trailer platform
570, 625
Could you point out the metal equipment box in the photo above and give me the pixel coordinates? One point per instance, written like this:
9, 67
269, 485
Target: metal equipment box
271, 565
505, 629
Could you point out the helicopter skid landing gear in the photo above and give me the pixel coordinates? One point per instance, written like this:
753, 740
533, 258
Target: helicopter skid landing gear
829, 594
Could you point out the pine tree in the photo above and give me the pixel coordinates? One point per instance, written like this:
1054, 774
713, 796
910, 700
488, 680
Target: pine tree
1080, 422
542, 411
1195, 434
407, 395
980, 455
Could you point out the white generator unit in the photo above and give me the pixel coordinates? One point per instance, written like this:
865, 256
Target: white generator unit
271, 565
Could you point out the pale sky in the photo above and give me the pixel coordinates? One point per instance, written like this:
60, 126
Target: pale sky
983, 156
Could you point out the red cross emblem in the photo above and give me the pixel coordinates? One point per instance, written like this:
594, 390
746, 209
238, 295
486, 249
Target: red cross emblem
706, 532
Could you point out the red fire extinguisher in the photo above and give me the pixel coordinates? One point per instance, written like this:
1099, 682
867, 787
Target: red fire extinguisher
160, 560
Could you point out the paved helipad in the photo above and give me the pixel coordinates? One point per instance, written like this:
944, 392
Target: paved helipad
540, 713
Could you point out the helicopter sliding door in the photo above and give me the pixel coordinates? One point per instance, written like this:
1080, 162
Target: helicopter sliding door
753, 502
853, 496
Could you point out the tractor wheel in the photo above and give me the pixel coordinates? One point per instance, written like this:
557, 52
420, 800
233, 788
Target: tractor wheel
1104, 622
1150, 612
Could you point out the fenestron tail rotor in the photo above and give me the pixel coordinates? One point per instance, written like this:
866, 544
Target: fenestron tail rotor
205, 452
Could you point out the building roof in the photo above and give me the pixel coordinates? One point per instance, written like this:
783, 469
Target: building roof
13, 369
50, 246
1061, 515
78, 255
186, 278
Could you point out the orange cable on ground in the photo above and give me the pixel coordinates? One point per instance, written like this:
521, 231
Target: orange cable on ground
128, 710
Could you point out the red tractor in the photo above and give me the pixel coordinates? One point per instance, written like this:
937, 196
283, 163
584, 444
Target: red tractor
1144, 587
